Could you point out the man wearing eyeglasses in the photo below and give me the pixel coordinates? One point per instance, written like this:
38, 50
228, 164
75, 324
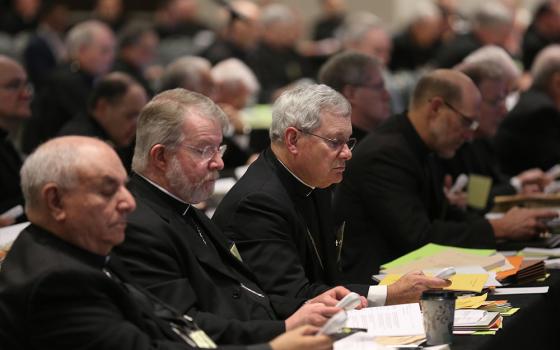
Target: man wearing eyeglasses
175, 251
478, 156
15, 99
392, 196
279, 212
358, 77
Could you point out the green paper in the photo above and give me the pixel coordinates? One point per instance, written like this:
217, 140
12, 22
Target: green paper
431, 249
478, 191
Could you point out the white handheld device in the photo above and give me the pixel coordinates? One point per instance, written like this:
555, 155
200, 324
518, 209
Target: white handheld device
445, 273
349, 302
333, 324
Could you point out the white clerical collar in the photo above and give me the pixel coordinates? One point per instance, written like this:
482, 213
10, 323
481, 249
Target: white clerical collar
167, 192
311, 188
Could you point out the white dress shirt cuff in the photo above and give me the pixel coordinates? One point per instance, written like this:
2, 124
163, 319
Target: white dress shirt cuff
377, 295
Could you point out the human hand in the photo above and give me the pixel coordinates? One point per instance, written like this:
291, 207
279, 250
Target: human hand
533, 180
409, 287
315, 314
7, 221
521, 223
302, 338
332, 296
456, 198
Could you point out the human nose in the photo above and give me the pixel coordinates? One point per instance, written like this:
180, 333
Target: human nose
126, 204
345, 152
216, 162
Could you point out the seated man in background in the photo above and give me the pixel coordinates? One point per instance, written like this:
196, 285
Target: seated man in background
60, 287
15, 97
113, 109
530, 136
392, 197
358, 77
279, 212
478, 156
175, 251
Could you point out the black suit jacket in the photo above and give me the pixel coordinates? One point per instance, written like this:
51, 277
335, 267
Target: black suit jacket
10, 190
64, 96
54, 295
267, 214
165, 254
529, 137
392, 201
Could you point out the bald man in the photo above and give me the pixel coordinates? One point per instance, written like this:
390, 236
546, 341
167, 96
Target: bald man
392, 198
15, 97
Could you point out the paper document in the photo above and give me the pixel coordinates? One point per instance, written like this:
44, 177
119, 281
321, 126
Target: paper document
468, 317
459, 282
541, 252
9, 234
431, 249
395, 320
478, 191
449, 258
524, 290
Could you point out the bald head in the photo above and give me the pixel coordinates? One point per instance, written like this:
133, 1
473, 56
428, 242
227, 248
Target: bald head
448, 84
74, 187
15, 93
444, 110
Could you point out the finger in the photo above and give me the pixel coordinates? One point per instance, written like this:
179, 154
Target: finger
307, 330
329, 311
329, 300
341, 292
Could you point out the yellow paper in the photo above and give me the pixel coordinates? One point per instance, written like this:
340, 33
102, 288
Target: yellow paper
471, 302
459, 282
478, 190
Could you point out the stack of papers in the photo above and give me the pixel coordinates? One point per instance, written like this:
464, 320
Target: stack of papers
472, 321
541, 252
459, 282
394, 320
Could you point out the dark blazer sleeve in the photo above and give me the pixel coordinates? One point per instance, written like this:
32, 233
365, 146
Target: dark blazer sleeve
83, 316
155, 264
263, 229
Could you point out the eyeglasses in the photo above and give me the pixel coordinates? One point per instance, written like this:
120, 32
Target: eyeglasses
466, 121
334, 144
208, 152
18, 85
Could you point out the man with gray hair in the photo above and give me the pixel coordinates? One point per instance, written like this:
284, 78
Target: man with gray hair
60, 285
358, 78
530, 136
90, 46
175, 251
279, 212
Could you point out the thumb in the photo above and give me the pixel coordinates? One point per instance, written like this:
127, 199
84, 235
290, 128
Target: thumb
447, 182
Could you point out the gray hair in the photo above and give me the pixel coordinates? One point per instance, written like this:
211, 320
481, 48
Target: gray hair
53, 161
233, 71
480, 71
497, 55
492, 14
546, 64
356, 26
347, 68
302, 107
161, 121
83, 34
184, 72
276, 13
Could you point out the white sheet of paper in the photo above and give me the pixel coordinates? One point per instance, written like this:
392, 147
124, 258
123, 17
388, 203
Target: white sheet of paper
541, 251
525, 290
357, 341
394, 320
9, 234
463, 317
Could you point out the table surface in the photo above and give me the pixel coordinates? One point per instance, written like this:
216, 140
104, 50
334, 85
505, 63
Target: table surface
535, 326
